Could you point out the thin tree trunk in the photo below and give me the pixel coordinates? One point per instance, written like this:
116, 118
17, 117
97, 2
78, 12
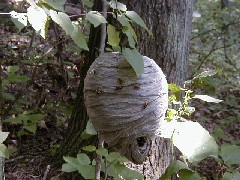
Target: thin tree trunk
171, 23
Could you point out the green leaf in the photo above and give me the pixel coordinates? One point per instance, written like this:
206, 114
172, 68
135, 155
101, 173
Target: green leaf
68, 168
35, 117
31, 128
90, 129
194, 141
3, 136
12, 69
8, 96
113, 35
88, 3
135, 59
79, 38
129, 34
95, 18
207, 98
175, 167
89, 148
15, 78
58, 5
4, 151
230, 154
231, 176
87, 171
38, 19
83, 159
137, 19
71, 161
185, 174
63, 21
116, 157
19, 19
119, 6
102, 151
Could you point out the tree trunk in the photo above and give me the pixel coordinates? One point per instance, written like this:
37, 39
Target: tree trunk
171, 23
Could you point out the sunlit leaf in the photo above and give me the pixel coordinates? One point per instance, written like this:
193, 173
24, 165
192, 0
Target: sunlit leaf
230, 154
118, 5
183, 168
137, 19
4, 151
63, 21
38, 19
95, 18
113, 35
19, 19
79, 38
194, 141
58, 5
135, 59
207, 98
3, 136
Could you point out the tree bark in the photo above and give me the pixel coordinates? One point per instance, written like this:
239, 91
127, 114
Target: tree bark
170, 22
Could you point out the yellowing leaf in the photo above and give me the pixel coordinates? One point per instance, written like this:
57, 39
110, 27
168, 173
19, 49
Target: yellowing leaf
113, 36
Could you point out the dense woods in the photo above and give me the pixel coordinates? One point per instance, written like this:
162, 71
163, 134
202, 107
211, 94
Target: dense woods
47, 48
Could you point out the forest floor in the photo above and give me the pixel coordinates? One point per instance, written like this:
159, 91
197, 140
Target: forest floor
53, 88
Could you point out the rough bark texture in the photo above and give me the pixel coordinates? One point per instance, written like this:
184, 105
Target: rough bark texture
170, 22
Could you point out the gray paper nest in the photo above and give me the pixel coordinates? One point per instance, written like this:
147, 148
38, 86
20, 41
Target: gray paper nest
125, 110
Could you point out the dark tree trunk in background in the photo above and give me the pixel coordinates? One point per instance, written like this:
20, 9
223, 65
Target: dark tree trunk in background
171, 24
72, 143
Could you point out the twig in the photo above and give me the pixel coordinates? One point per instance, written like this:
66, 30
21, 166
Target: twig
46, 172
99, 160
103, 28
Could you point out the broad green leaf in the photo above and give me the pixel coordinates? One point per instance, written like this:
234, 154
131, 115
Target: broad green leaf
16, 120
206, 74
38, 19
87, 171
113, 35
173, 168
31, 128
231, 176
4, 151
136, 18
95, 18
135, 59
230, 154
8, 96
19, 19
83, 159
123, 20
118, 5
68, 168
102, 151
15, 78
194, 141
12, 69
90, 129
129, 34
185, 174
71, 161
3, 136
79, 38
89, 148
63, 21
116, 157
207, 98
58, 5
127, 173
35, 117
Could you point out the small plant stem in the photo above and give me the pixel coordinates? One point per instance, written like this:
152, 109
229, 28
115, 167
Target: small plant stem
103, 28
99, 160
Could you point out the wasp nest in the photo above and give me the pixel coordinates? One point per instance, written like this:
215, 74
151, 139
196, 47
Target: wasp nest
125, 110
